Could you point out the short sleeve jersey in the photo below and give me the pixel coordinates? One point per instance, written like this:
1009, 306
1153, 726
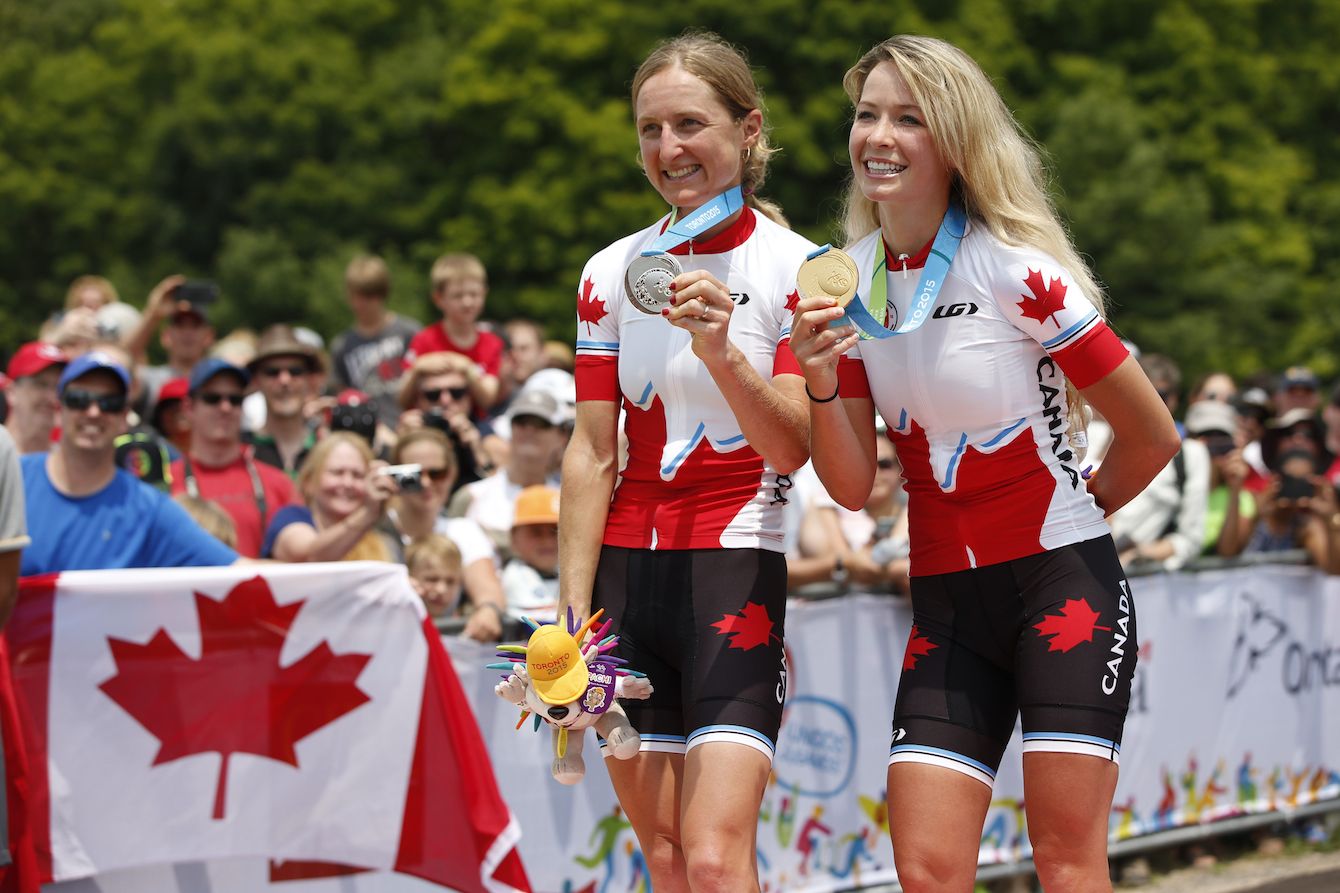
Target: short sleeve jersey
690, 481
975, 401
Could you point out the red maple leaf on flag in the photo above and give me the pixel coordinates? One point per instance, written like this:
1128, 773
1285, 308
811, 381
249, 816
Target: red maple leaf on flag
917, 645
748, 629
1075, 624
1045, 302
590, 309
792, 300
235, 698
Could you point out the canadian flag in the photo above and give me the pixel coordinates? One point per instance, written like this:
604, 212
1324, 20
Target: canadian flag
304, 713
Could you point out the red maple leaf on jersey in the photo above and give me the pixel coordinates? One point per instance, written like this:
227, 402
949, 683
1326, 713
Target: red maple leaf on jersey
748, 629
235, 698
590, 309
917, 645
1075, 624
1045, 302
792, 300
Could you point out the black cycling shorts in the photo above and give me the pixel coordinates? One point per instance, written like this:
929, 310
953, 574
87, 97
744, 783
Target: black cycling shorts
706, 626
1050, 638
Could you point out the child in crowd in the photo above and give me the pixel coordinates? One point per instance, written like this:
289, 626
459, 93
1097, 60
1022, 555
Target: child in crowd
530, 579
460, 286
211, 517
434, 565
369, 357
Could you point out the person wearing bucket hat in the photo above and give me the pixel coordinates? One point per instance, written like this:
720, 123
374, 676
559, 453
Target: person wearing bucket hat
92, 514
955, 248
31, 393
687, 324
282, 369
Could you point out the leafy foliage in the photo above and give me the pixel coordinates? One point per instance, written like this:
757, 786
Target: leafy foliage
264, 144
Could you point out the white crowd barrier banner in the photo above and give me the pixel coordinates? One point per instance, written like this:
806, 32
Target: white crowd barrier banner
1236, 709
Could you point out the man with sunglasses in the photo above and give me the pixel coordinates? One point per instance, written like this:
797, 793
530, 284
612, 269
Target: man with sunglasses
85, 513
282, 369
218, 465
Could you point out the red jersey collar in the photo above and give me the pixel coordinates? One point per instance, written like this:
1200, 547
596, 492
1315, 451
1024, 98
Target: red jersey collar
914, 261
732, 236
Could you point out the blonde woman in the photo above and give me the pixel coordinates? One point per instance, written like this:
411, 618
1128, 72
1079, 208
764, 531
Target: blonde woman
985, 323
344, 495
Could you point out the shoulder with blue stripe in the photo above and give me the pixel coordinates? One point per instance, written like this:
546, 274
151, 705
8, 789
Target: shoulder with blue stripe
600, 293
1042, 299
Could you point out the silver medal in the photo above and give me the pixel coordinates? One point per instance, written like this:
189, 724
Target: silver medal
648, 279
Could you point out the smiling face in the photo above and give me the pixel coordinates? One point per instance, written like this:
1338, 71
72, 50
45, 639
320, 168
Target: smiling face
89, 427
692, 150
342, 484
893, 154
284, 380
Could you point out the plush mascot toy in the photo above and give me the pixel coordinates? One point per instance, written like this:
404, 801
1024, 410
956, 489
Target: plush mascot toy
566, 677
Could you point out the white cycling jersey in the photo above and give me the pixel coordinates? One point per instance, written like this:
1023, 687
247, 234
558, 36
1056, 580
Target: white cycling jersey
975, 401
691, 481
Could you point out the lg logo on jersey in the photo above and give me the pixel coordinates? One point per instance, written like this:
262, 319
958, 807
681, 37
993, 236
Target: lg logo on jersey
946, 311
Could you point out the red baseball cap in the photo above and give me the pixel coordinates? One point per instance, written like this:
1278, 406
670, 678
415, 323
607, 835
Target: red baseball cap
33, 357
174, 389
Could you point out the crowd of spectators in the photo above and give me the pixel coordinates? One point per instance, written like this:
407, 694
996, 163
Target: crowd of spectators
439, 447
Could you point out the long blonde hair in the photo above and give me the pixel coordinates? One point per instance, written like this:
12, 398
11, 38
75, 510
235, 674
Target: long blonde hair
997, 169
372, 546
725, 69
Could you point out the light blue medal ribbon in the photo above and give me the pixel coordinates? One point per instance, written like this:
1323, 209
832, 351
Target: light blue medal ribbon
697, 222
943, 249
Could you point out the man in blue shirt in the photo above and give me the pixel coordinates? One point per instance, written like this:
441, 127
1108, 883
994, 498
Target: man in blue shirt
85, 513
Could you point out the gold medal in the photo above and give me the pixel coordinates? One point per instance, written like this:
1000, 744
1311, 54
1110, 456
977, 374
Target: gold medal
829, 275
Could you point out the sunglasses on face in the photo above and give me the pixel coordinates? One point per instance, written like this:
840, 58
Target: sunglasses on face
432, 395
437, 475
214, 399
276, 371
886, 464
82, 400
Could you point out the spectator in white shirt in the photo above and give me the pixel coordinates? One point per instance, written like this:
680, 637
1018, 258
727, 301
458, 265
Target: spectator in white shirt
530, 579
538, 437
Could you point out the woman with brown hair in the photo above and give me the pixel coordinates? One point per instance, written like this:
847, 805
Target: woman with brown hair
685, 324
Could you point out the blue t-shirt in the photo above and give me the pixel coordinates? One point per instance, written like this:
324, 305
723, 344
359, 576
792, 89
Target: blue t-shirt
289, 514
125, 524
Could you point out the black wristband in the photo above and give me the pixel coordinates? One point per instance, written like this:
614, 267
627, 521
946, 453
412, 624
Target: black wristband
814, 399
